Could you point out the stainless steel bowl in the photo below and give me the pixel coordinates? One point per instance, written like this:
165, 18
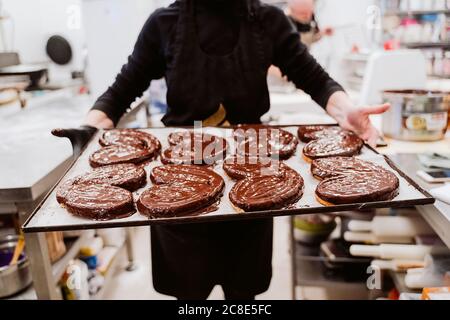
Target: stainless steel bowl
416, 115
13, 278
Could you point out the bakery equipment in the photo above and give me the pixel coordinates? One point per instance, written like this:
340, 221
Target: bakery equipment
49, 216
396, 251
416, 115
313, 229
15, 277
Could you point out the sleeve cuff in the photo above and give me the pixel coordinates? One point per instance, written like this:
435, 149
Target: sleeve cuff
108, 110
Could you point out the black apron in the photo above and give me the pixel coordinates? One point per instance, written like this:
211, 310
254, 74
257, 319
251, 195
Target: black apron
189, 260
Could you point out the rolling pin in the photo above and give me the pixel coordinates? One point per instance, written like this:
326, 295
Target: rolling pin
395, 251
390, 226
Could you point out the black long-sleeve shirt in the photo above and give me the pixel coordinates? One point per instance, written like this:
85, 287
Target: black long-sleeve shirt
217, 33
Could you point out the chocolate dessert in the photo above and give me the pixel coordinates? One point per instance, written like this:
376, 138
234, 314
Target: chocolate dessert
261, 141
336, 166
267, 191
180, 190
344, 144
117, 154
241, 167
188, 147
351, 180
130, 137
309, 133
127, 176
95, 201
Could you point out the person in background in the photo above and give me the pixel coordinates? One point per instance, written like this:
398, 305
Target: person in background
301, 15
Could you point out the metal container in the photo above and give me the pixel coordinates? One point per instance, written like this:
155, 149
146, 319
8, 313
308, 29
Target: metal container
416, 115
12, 278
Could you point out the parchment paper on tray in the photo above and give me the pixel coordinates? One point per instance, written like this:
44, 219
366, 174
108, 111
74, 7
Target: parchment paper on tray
50, 216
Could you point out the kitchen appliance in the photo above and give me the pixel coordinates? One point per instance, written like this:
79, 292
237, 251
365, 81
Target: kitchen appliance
416, 115
16, 277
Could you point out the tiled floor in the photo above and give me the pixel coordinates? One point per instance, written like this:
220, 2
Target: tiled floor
137, 284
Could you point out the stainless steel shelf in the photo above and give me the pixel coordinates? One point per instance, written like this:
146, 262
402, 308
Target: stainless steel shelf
427, 45
416, 12
110, 273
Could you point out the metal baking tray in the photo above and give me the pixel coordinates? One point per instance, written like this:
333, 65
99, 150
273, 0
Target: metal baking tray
50, 216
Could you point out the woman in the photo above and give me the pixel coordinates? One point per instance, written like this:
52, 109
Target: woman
214, 55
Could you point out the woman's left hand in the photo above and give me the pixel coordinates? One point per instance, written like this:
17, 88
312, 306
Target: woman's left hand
353, 118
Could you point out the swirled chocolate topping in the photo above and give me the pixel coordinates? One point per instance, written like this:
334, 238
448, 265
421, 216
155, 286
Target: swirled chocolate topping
130, 137
180, 190
358, 187
170, 174
261, 141
267, 192
241, 167
336, 166
117, 154
352, 180
344, 144
127, 176
98, 202
188, 147
309, 133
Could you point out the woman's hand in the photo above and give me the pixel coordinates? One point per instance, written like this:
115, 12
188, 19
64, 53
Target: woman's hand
354, 118
99, 120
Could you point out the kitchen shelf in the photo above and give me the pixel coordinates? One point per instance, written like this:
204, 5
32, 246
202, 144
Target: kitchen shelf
110, 273
72, 249
427, 45
416, 12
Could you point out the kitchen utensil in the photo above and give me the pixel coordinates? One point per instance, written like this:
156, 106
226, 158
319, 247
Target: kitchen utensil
18, 250
13, 278
416, 115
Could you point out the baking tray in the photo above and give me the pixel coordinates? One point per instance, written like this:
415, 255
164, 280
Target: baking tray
50, 216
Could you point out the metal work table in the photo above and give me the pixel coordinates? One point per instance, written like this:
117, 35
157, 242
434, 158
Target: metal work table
31, 162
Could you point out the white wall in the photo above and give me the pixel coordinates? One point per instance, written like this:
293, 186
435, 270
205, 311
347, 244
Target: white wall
112, 27
354, 15
34, 21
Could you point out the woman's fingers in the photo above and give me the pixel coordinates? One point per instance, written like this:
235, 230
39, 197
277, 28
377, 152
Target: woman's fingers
377, 109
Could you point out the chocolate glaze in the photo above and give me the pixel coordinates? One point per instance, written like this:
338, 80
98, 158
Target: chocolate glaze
336, 166
130, 137
241, 167
344, 144
188, 147
267, 192
359, 188
180, 190
127, 176
262, 141
170, 174
309, 133
94, 201
116, 154
351, 180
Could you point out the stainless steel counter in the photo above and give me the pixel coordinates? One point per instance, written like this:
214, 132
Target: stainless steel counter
31, 159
